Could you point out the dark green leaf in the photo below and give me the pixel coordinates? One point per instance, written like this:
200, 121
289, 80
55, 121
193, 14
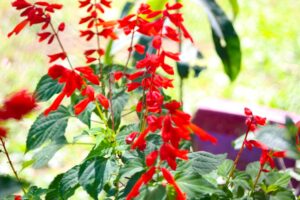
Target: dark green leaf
225, 38
198, 70
35, 193
183, 69
278, 179
85, 116
46, 88
119, 101
8, 186
127, 7
42, 157
47, 128
203, 162
283, 195
194, 184
155, 193
225, 167
95, 173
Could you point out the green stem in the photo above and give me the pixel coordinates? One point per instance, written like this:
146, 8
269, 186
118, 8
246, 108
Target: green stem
11, 165
257, 178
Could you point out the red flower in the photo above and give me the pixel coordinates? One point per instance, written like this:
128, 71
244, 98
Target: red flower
130, 138
17, 105
19, 28
253, 143
267, 158
90, 93
253, 120
103, 101
144, 179
89, 74
170, 179
151, 158
3, 132
18, 197
139, 48
169, 153
57, 56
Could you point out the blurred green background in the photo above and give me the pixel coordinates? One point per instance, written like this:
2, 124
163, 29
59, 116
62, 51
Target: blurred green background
270, 38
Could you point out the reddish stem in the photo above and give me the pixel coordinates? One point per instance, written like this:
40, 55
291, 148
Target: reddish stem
11, 164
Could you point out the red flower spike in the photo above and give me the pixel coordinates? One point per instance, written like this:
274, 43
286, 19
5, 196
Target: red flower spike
17, 105
3, 133
103, 101
151, 158
144, 179
57, 56
139, 48
170, 179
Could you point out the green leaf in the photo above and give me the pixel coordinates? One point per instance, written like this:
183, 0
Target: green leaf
279, 137
133, 163
42, 157
119, 101
126, 130
235, 7
157, 192
46, 88
225, 38
85, 116
157, 5
194, 184
64, 185
35, 193
278, 179
283, 195
8, 186
46, 128
225, 167
183, 69
203, 162
95, 173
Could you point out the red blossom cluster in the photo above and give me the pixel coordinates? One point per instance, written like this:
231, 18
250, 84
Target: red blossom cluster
157, 114
96, 26
15, 107
267, 154
73, 79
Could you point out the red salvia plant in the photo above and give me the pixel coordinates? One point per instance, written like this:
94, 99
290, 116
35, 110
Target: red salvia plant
107, 87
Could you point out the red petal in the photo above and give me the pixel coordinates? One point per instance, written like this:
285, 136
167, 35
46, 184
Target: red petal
57, 56
80, 107
151, 158
202, 134
103, 101
18, 28
55, 104
139, 48
61, 27
156, 43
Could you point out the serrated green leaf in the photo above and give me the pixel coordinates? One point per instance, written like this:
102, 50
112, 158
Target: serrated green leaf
205, 162
278, 178
194, 185
95, 173
119, 100
157, 192
35, 193
47, 128
283, 195
46, 88
64, 185
225, 38
225, 167
42, 157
